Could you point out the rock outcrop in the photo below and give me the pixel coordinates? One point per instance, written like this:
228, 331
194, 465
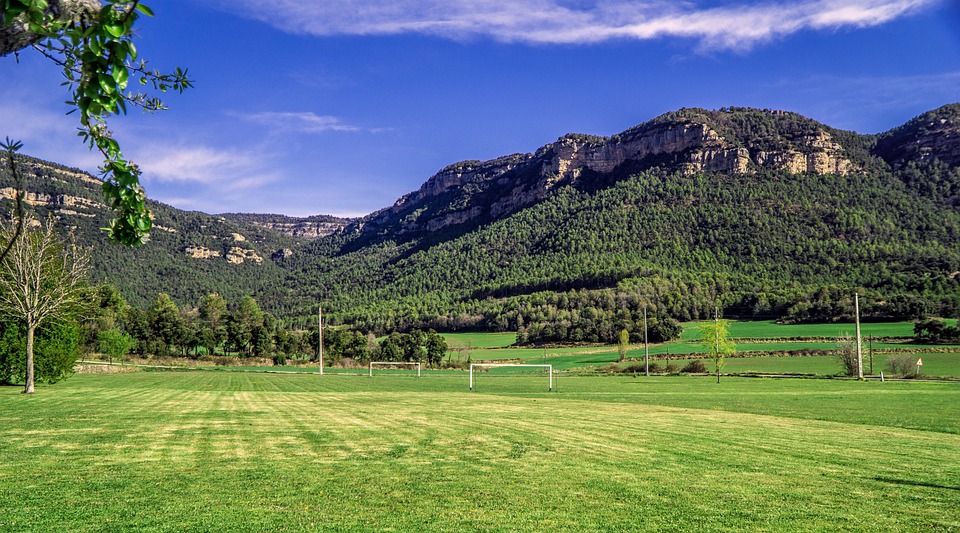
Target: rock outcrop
238, 255
932, 135
201, 252
688, 141
305, 229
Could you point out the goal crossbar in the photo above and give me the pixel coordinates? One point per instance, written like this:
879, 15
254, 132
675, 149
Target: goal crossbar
393, 363
493, 365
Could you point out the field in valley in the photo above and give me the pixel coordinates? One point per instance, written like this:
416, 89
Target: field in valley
763, 347
207, 450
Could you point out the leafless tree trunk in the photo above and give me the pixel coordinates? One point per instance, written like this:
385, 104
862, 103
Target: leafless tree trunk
28, 387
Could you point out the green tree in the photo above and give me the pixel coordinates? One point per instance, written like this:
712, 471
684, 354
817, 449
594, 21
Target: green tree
115, 344
243, 323
412, 345
40, 279
109, 311
623, 344
436, 347
166, 325
714, 338
391, 348
93, 45
56, 350
213, 329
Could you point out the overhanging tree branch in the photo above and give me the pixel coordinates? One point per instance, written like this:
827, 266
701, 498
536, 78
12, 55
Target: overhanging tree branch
93, 45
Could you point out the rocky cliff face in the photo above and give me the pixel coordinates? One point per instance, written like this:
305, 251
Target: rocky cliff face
304, 229
313, 227
687, 141
932, 135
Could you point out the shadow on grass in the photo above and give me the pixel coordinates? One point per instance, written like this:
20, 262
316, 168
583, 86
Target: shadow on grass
914, 483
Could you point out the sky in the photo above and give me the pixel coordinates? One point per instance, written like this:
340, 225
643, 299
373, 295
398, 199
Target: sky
342, 106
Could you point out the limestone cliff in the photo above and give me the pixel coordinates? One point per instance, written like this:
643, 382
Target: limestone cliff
313, 227
689, 141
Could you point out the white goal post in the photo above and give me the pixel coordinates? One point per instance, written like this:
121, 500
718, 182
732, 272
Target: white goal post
386, 363
489, 365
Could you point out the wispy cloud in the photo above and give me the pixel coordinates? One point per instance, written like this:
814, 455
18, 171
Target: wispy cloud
45, 132
222, 169
738, 26
297, 122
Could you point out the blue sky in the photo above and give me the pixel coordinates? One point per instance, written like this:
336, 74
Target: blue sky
342, 106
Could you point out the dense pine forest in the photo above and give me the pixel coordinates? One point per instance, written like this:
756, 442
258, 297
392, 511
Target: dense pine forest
755, 213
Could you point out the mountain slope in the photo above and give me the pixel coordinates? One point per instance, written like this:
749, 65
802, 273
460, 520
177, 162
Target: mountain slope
755, 205
691, 141
766, 213
189, 254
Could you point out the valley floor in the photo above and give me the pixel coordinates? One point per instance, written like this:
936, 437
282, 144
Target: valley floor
176, 451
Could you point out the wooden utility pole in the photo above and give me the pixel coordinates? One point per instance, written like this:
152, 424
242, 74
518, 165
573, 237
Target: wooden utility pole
320, 340
716, 328
856, 311
646, 348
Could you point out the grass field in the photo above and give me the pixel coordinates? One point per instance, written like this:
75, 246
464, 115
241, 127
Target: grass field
252, 451
766, 329
762, 336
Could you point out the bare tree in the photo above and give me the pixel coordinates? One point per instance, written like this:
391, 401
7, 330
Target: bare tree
846, 355
40, 279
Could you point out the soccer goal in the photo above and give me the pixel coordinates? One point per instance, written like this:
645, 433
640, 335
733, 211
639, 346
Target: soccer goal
393, 363
549, 369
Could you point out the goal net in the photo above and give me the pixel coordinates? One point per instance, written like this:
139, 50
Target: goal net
512, 370
394, 365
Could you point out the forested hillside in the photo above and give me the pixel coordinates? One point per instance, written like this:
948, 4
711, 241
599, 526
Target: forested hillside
760, 213
189, 254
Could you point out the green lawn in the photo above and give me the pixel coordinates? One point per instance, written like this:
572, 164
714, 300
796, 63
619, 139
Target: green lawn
480, 340
759, 329
252, 451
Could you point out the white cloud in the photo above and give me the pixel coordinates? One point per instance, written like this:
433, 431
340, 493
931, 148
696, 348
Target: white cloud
223, 170
303, 122
738, 26
45, 133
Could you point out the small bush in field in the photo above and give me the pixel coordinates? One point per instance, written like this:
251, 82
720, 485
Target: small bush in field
695, 367
846, 356
671, 368
902, 365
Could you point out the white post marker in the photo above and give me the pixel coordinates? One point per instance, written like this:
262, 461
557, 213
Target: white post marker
919, 364
492, 365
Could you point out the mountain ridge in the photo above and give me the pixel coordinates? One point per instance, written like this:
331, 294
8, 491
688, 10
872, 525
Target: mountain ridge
689, 140
744, 202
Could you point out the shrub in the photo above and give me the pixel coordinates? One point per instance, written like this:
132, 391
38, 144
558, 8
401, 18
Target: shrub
279, 359
846, 355
611, 367
640, 368
902, 365
56, 350
671, 368
695, 367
